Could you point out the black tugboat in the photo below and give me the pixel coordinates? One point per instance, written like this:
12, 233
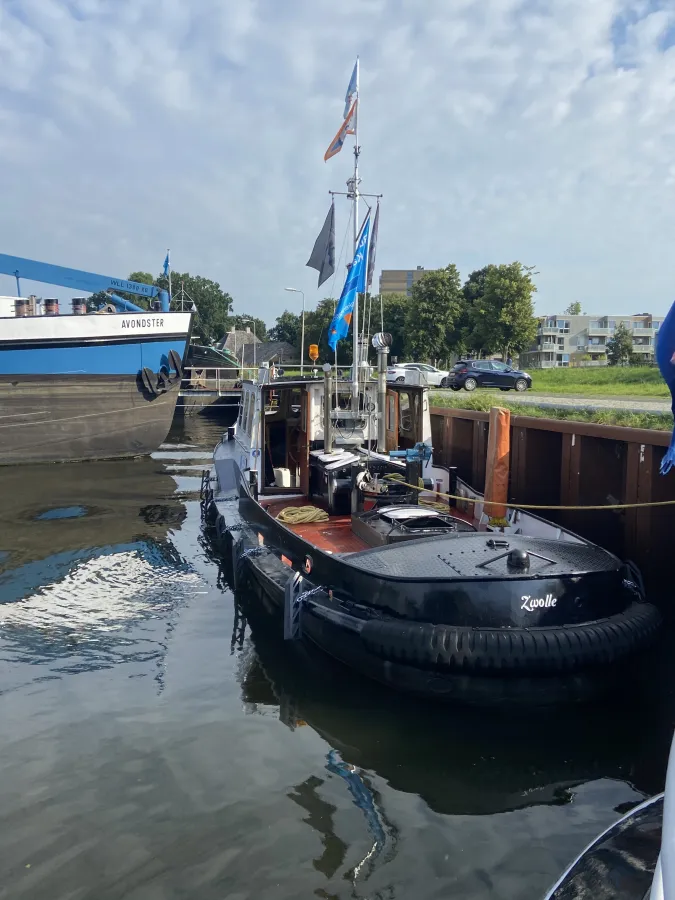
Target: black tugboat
329, 499
432, 599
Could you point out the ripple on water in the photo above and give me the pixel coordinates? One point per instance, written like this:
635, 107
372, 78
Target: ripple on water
83, 620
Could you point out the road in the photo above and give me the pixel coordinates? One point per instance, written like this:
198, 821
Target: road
630, 404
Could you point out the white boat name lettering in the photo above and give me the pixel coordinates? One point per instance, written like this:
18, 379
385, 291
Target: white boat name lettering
142, 322
532, 603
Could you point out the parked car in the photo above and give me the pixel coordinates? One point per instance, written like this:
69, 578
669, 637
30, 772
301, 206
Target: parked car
433, 375
489, 373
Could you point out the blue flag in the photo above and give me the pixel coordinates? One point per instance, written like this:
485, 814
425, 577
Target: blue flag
665, 357
167, 263
354, 284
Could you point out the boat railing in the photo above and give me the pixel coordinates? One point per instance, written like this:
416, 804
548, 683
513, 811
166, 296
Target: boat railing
210, 379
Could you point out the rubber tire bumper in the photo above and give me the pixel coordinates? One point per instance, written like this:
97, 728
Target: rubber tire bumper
561, 648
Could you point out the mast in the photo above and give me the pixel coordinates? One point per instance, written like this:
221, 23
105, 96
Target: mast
355, 201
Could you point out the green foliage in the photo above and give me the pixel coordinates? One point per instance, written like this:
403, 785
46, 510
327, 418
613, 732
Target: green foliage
500, 316
288, 328
142, 278
433, 314
317, 322
242, 322
96, 301
395, 310
486, 399
620, 346
574, 309
212, 302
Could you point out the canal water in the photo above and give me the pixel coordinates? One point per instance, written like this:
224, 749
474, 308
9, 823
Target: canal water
152, 747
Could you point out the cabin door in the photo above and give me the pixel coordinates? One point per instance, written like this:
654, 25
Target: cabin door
391, 420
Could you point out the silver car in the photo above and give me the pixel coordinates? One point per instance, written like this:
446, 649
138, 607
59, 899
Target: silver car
433, 375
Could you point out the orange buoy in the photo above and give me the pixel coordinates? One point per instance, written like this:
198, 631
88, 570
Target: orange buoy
497, 464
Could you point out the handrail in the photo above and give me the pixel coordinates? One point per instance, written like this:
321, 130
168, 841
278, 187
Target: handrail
210, 378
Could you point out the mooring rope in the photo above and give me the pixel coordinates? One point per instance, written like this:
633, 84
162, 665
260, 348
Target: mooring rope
513, 505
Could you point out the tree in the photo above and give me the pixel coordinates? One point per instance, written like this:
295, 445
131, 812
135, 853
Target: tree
96, 301
138, 299
287, 328
620, 346
395, 311
242, 322
574, 309
317, 323
213, 303
433, 314
501, 318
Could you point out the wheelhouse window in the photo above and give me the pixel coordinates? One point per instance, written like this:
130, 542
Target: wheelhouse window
404, 411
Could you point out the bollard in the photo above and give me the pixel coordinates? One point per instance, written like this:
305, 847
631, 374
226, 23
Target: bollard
497, 464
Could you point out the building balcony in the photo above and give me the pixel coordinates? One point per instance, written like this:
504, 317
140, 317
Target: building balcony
548, 329
548, 345
643, 332
596, 330
648, 349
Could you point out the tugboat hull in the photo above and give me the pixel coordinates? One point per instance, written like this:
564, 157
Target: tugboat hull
490, 639
340, 638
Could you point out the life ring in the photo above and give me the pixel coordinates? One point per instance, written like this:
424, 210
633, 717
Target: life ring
307, 565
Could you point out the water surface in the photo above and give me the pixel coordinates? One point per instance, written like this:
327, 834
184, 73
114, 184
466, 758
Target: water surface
153, 746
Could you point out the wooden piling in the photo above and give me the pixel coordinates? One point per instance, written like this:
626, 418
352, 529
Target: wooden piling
497, 463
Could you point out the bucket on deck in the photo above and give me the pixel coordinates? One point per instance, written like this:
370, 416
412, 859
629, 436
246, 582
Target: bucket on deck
51, 307
20, 307
79, 306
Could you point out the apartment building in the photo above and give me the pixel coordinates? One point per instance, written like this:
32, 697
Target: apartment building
564, 340
400, 281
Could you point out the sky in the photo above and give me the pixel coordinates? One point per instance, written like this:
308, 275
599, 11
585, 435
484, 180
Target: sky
496, 130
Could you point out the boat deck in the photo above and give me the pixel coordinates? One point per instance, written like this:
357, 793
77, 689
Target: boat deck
335, 535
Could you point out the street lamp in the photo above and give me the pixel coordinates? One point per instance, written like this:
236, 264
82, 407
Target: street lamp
302, 338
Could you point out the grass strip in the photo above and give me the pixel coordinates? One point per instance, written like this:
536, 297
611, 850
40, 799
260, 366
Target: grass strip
484, 400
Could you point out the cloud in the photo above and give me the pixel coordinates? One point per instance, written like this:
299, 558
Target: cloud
496, 130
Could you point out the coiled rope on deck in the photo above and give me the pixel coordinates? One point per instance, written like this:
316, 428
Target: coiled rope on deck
302, 515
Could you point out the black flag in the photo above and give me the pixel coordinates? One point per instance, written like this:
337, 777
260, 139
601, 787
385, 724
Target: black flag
323, 255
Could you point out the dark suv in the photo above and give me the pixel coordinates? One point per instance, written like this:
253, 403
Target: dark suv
489, 373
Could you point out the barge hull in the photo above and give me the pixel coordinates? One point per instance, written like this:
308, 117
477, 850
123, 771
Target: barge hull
65, 418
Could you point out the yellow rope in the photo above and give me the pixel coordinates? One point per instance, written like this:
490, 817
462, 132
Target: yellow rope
434, 504
301, 515
536, 505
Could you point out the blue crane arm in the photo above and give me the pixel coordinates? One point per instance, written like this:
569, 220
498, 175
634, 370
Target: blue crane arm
78, 280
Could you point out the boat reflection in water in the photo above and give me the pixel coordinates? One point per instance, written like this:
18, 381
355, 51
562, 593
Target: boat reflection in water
460, 762
84, 557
